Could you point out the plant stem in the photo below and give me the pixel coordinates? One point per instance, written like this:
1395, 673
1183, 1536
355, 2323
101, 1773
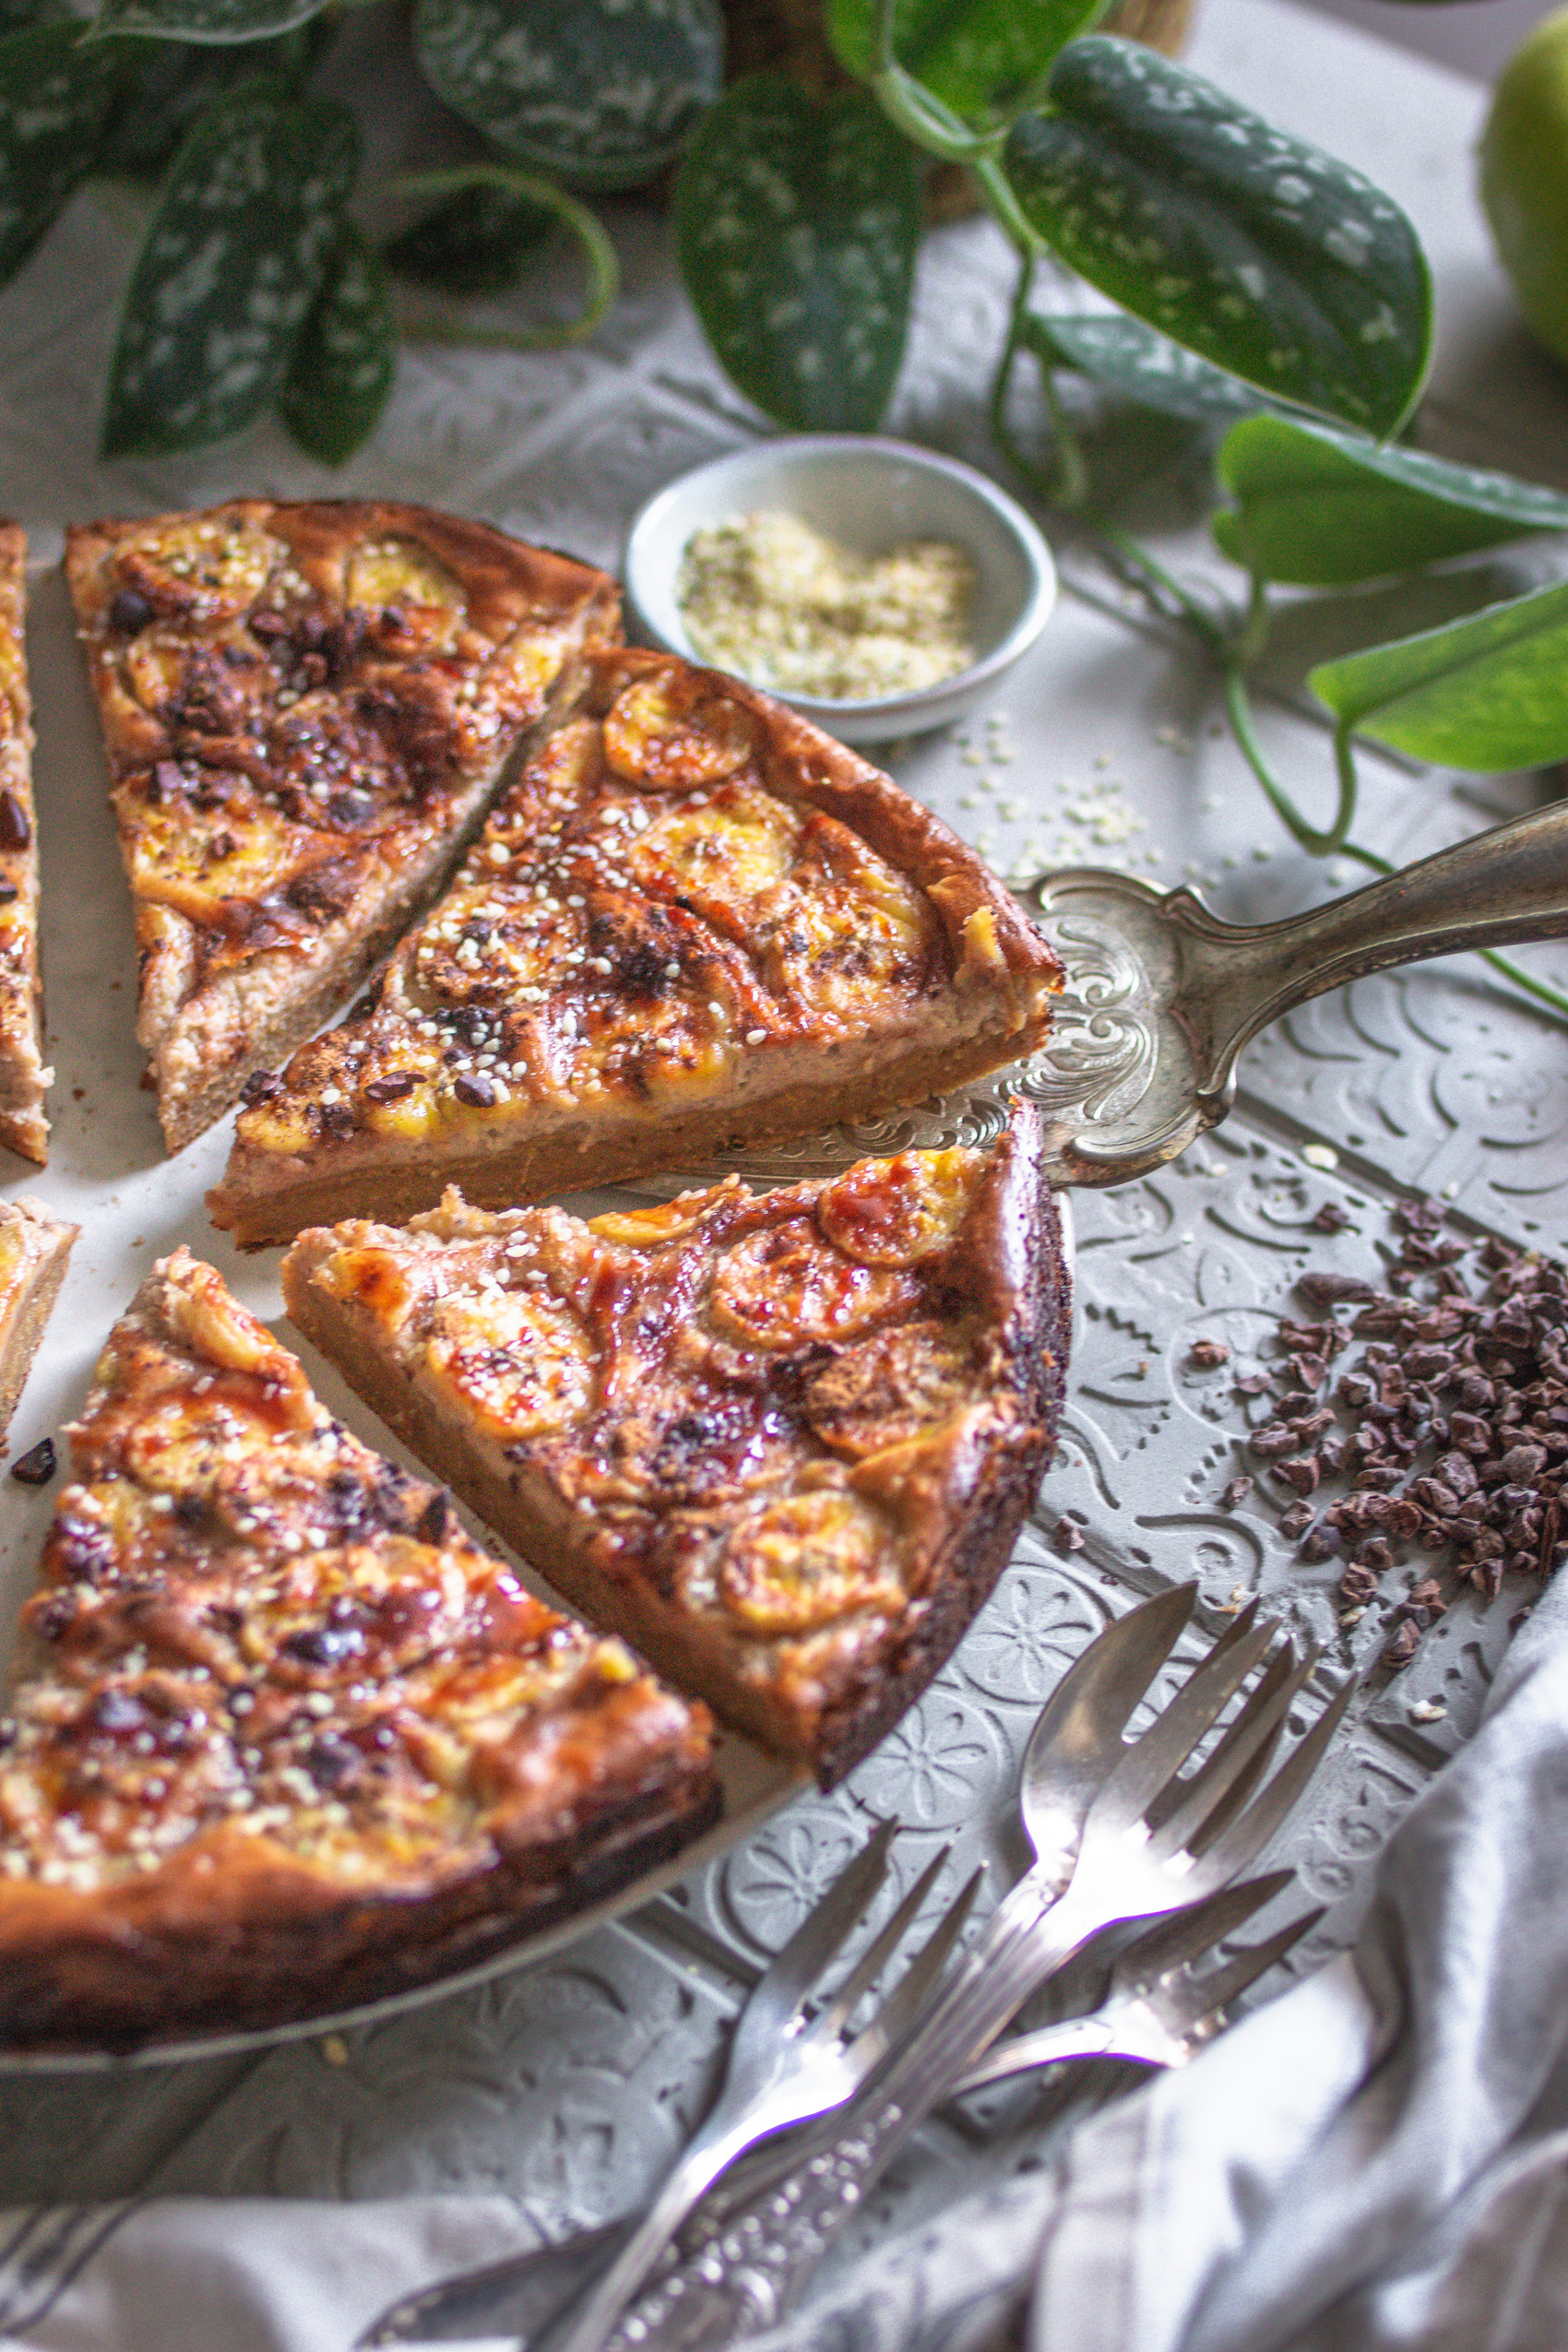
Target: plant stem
1542, 991
1071, 485
1005, 209
1155, 575
599, 255
918, 112
1238, 705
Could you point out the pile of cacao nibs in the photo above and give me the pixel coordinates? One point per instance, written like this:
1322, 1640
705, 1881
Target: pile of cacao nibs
1449, 1422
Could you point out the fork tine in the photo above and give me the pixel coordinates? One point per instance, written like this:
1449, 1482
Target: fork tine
872, 1960
1221, 1989
1204, 1812
1158, 1755
1176, 1792
793, 1970
898, 2012
1245, 1839
1185, 1937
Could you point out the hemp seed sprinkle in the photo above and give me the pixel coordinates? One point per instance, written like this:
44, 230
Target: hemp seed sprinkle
768, 598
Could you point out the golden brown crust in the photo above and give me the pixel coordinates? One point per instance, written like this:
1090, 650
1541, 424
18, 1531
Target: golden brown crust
24, 1081
284, 1739
693, 923
782, 1444
305, 707
35, 1249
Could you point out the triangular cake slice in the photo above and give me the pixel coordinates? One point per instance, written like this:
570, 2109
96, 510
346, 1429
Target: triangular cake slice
35, 1250
782, 1443
24, 1081
304, 706
694, 924
284, 1738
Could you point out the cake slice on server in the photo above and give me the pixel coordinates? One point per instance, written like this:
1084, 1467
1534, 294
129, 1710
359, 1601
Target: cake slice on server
283, 1737
694, 924
305, 707
783, 1442
24, 1081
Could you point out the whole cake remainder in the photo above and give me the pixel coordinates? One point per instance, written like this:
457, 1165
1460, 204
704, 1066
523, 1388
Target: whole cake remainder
783, 1444
693, 923
305, 707
284, 1738
24, 1081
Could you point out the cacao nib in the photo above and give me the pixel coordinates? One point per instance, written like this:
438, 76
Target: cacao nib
1328, 1289
15, 831
128, 613
324, 1644
37, 1466
1402, 1649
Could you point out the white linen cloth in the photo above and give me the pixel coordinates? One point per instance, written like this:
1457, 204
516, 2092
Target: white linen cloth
1376, 2162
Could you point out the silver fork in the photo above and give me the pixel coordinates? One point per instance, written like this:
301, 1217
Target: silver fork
792, 2058
1157, 2010
1149, 1842
1080, 1730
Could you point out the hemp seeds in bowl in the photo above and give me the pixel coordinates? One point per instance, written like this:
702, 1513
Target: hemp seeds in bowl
877, 588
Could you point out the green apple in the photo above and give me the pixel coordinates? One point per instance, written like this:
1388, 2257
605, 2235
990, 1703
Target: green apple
1524, 180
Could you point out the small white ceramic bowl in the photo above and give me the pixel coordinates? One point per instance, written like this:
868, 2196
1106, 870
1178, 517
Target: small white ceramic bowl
868, 494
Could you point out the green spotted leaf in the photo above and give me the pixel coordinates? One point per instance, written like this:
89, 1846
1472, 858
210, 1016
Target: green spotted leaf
1318, 508
248, 215
165, 84
221, 21
797, 223
56, 93
1130, 358
483, 240
346, 356
602, 93
983, 58
1489, 692
1259, 252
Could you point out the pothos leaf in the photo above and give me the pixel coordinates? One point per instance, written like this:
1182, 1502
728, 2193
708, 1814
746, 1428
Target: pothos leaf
604, 93
1259, 252
165, 84
56, 95
1489, 692
346, 357
249, 211
204, 20
797, 223
482, 241
1318, 508
1130, 358
981, 57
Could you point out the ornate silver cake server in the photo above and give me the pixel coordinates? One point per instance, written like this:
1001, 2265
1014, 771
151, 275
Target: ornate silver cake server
1162, 997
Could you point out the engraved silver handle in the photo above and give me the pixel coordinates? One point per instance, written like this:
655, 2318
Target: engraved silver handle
740, 2279
1494, 890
